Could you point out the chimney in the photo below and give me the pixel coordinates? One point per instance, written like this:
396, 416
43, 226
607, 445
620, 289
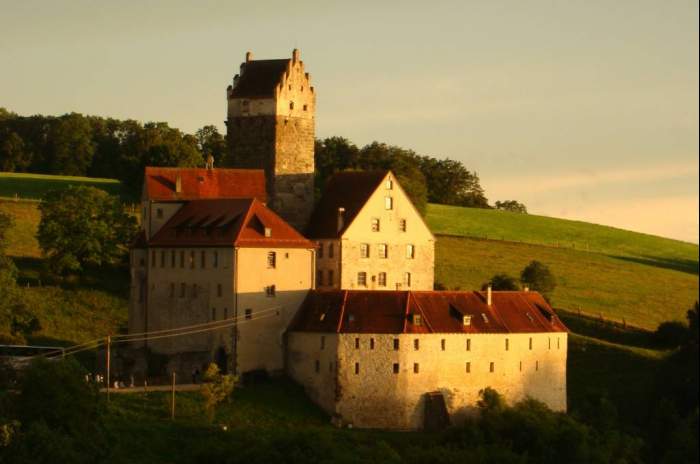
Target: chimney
526, 289
341, 218
295, 55
178, 184
248, 56
488, 295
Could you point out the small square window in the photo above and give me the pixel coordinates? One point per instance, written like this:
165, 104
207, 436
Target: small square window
396, 368
396, 344
416, 368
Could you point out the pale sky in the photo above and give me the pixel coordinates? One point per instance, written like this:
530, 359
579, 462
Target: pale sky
580, 109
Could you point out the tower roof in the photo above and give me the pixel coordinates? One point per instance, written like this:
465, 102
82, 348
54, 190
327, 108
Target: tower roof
259, 78
196, 183
227, 222
346, 189
393, 312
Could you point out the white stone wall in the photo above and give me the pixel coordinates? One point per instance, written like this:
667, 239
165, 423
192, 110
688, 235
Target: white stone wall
378, 397
303, 351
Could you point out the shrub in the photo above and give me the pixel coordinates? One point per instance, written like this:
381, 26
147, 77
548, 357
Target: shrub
538, 277
218, 387
503, 282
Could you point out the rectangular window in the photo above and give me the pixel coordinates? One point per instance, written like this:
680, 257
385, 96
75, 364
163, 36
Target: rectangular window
375, 224
213, 314
396, 368
317, 366
381, 279
219, 290
271, 259
248, 314
407, 279
416, 368
416, 344
330, 250
468, 367
192, 259
319, 254
492, 367
270, 290
162, 259
319, 278
557, 342
549, 342
216, 259
396, 344
153, 258
442, 344
362, 279
364, 250
330, 277
417, 319
537, 365
521, 366
182, 259
388, 203
225, 313
530, 343
410, 251
389, 184
469, 344
323, 342
183, 290
507, 344
203, 258
402, 225
357, 343
371, 343
383, 250
357, 368
172, 259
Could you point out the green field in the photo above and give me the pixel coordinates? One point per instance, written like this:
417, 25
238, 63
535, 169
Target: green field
34, 186
562, 233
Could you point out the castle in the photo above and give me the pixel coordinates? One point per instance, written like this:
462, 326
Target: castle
337, 294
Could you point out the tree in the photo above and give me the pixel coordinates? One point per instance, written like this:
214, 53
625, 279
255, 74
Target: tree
538, 277
12, 152
70, 145
217, 388
83, 226
504, 282
211, 142
512, 206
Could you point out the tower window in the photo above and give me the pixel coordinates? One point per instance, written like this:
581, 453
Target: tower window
357, 368
371, 343
396, 344
396, 368
162, 259
357, 343
416, 368
172, 259
291, 105
530, 343
507, 344
330, 250
191, 259
319, 254
469, 344
306, 107
389, 184
216, 259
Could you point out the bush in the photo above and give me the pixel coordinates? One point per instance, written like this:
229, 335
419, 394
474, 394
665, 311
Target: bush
671, 334
218, 387
538, 277
503, 282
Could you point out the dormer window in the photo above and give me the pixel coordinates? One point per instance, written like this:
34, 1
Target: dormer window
417, 320
268, 232
466, 320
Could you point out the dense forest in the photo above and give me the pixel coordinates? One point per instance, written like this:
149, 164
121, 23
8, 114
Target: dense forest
78, 145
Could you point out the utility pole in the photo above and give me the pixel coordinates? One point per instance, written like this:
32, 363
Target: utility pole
109, 346
172, 400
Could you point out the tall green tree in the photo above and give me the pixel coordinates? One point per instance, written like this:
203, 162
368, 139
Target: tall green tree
83, 226
538, 277
211, 142
70, 145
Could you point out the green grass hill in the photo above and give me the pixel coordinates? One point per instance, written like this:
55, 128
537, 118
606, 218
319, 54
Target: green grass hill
34, 186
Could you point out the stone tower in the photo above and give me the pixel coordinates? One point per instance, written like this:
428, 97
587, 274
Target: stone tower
270, 126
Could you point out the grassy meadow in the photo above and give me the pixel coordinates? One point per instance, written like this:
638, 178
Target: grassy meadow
33, 186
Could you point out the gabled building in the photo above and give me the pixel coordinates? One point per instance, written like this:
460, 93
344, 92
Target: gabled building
379, 359
216, 259
370, 235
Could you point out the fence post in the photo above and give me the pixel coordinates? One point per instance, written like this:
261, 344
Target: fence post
172, 400
109, 345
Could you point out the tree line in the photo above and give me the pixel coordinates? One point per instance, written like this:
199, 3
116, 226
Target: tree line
77, 145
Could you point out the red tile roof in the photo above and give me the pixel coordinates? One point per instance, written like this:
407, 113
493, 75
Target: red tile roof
357, 311
160, 183
259, 78
349, 190
227, 222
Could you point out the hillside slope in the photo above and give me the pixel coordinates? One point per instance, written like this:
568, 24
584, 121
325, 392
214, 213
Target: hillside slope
562, 233
34, 186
